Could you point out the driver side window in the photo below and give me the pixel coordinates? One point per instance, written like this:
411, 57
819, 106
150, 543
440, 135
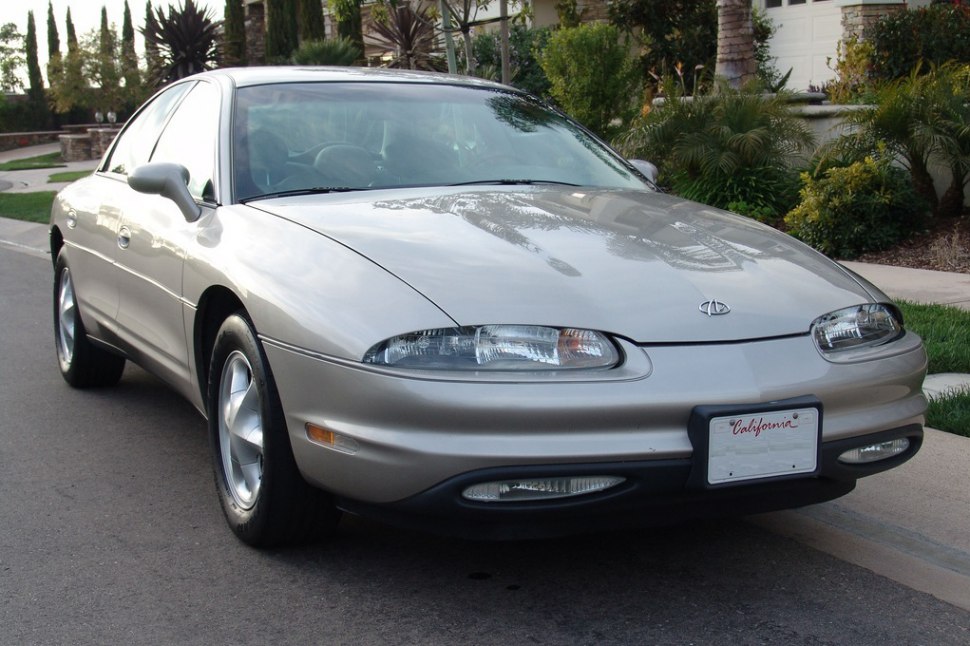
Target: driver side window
135, 144
190, 139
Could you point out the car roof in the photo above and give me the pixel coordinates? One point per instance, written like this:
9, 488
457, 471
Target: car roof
263, 75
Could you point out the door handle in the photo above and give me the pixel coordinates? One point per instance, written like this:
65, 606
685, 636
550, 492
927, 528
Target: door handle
124, 237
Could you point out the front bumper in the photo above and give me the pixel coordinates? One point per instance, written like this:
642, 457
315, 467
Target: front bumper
418, 438
654, 493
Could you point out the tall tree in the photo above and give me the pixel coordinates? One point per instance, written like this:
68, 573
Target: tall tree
234, 34
105, 67
152, 57
55, 66
54, 63
735, 42
350, 23
132, 93
281, 29
36, 97
311, 20
69, 87
53, 38
71, 34
11, 57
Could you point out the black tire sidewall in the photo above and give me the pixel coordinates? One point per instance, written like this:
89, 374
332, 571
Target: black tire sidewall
264, 523
89, 366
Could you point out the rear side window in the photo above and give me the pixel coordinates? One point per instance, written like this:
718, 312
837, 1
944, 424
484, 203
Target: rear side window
136, 142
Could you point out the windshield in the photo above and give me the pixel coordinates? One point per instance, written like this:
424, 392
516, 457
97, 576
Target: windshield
352, 136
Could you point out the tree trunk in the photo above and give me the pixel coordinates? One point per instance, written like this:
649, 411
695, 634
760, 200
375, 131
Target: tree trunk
504, 13
735, 42
951, 204
923, 183
470, 63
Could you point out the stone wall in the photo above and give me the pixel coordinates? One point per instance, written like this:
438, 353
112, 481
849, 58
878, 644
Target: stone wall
13, 140
857, 17
81, 146
75, 147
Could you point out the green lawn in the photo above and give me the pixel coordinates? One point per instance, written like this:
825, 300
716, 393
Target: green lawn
946, 334
68, 176
52, 160
951, 413
33, 207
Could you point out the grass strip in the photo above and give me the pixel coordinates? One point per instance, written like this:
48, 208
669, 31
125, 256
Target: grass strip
950, 412
50, 160
32, 207
68, 176
946, 334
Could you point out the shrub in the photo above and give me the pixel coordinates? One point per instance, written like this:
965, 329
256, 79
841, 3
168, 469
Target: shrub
585, 90
670, 32
867, 206
724, 148
915, 119
525, 47
336, 51
853, 63
935, 35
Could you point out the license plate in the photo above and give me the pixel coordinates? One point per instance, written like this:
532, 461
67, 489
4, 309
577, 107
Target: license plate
755, 445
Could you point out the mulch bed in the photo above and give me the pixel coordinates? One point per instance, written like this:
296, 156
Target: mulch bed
944, 246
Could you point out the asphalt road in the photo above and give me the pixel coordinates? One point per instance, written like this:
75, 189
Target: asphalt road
110, 533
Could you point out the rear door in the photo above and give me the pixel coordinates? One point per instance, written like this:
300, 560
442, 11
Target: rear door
95, 219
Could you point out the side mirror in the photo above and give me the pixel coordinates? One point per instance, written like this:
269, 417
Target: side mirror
167, 180
646, 169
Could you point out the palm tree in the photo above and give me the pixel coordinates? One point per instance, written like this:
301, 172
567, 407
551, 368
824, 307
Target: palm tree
186, 40
334, 51
724, 147
952, 92
904, 122
735, 42
407, 34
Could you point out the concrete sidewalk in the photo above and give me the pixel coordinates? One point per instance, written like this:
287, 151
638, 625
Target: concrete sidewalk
27, 181
917, 285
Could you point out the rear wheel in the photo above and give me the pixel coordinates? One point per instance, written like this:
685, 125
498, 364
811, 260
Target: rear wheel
82, 363
264, 497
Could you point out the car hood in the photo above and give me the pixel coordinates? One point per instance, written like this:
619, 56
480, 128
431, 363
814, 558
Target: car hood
631, 263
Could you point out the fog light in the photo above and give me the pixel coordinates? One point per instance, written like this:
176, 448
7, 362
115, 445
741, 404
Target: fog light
875, 452
331, 439
539, 488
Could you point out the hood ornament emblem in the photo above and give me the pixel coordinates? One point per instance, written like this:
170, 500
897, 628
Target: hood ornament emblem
714, 307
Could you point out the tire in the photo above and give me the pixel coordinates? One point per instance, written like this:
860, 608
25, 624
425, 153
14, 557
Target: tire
266, 501
82, 364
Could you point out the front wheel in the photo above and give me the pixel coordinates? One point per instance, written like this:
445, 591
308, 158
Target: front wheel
265, 499
82, 363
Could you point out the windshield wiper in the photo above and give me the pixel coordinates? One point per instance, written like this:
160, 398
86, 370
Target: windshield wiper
513, 182
316, 190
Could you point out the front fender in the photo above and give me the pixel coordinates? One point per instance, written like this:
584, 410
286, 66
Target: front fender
301, 288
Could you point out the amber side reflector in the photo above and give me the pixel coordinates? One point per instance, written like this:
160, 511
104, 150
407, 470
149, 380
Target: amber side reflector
331, 439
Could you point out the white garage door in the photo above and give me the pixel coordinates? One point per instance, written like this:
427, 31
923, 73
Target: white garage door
806, 36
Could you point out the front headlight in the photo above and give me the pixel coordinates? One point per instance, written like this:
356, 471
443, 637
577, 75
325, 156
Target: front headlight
497, 347
854, 327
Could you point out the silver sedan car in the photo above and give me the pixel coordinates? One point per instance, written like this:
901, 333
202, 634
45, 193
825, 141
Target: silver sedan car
436, 301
